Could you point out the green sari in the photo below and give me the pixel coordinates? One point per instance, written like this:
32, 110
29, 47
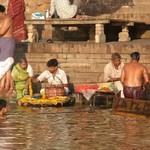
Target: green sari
20, 78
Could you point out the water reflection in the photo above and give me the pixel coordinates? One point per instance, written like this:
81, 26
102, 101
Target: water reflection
71, 128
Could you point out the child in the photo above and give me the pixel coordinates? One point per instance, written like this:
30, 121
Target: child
3, 108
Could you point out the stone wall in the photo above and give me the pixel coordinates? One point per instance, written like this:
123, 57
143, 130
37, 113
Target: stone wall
83, 61
119, 10
134, 10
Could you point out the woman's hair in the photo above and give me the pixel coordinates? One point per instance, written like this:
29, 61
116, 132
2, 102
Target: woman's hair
3, 104
2, 8
52, 62
22, 60
135, 56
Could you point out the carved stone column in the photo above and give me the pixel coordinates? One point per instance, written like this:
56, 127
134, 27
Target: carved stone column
124, 35
99, 33
32, 33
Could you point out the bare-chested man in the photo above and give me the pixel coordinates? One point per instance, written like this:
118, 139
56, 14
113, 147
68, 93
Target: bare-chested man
132, 77
7, 46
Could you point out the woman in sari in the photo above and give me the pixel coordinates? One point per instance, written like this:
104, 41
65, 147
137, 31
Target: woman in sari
22, 73
16, 10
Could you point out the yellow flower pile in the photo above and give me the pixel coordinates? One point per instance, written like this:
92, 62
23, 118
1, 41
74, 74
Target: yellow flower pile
30, 88
50, 101
27, 99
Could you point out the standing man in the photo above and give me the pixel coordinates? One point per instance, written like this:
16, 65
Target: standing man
7, 46
132, 77
16, 9
112, 71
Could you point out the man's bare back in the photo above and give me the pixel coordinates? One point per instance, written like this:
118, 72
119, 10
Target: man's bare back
7, 45
133, 73
6, 27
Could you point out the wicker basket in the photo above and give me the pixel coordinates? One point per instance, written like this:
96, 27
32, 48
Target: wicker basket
54, 90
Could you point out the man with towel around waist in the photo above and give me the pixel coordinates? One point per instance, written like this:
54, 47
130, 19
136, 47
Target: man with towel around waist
7, 46
132, 77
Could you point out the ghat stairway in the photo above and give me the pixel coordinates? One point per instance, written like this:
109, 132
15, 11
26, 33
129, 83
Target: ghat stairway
82, 61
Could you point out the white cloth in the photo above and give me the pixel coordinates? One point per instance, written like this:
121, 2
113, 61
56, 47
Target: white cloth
30, 70
63, 8
59, 78
5, 66
119, 87
88, 94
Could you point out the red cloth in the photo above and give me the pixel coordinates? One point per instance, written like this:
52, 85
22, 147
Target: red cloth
80, 88
16, 9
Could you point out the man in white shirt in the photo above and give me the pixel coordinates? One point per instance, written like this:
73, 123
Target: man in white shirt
53, 75
64, 8
112, 71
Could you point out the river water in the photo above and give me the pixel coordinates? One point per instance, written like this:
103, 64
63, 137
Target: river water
71, 128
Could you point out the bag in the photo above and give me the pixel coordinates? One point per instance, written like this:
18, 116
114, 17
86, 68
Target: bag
54, 90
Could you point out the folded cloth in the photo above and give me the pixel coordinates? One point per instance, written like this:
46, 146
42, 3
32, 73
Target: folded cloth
89, 93
119, 87
86, 90
5, 66
37, 15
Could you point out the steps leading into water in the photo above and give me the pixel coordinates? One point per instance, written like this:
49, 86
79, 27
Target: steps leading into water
82, 61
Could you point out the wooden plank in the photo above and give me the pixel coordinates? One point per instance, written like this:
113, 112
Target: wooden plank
72, 21
131, 107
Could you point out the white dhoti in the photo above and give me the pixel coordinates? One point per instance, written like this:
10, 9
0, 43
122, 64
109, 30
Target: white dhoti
119, 87
5, 66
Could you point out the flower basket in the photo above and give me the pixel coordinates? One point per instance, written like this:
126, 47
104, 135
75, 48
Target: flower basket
54, 90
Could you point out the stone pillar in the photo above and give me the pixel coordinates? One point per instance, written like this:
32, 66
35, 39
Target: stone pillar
47, 32
32, 33
124, 35
99, 33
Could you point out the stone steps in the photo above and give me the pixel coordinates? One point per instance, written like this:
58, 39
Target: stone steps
84, 62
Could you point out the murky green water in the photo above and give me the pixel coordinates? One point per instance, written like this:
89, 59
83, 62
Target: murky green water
71, 128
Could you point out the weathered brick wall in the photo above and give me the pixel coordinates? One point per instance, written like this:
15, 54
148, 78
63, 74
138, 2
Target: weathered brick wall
32, 6
135, 10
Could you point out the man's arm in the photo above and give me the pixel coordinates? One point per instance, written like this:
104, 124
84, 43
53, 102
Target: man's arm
145, 75
35, 80
6, 25
52, 8
122, 76
39, 78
